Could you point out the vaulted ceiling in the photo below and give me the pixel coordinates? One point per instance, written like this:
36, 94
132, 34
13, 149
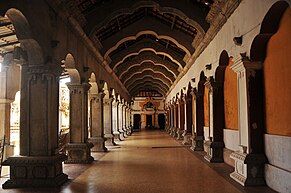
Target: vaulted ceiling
146, 43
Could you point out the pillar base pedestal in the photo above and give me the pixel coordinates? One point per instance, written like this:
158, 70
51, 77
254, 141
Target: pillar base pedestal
35, 171
79, 153
128, 131
174, 132
121, 135
124, 133
186, 138
197, 143
109, 140
249, 169
214, 151
167, 129
99, 144
179, 134
117, 136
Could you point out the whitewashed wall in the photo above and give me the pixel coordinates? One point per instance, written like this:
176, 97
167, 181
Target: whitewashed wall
246, 20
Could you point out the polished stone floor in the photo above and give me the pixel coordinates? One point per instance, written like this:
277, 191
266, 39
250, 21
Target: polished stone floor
150, 162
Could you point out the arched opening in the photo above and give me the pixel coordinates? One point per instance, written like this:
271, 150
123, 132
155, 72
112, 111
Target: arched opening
107, 115
70, 75
181, 115
14, 27
271, 50
14, 123
161, 121
136, 122
206, 109
230, 111
64, 105
198, 141
189, 110
92, 91
187, 135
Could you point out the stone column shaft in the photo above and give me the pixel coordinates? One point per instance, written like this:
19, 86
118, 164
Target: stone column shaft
78, 149
108, 127
97, 111
124, 120
39, 164
250, 159
116, 132
198, 135
120, 119
181, 119
214, 145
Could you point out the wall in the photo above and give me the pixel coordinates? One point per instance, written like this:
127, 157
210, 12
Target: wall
230, 99
277, 70
206, 107
277, 79
137, 108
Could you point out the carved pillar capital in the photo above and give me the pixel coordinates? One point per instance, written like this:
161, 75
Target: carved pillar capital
108, 101
78, 88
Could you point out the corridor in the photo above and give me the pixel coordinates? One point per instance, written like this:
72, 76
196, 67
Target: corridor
148, 161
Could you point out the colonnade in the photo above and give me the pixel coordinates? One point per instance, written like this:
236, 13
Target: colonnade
210, 139
39, 161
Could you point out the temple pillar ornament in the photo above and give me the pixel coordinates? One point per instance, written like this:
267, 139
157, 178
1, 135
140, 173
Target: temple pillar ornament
39, 163
97, 118
214, 145
115, 112
79, 149
250, 159
198, 136
120, 119
108, 127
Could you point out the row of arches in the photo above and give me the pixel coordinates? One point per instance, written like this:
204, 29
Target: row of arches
236, 115
55, 109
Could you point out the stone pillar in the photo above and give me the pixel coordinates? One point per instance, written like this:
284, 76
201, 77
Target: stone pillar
128, 121
181, 118
39, 164
250, 160
108, 127
175, 123
78, 149
115, 112
172, 118
120, 121
188, 121
124, 120
97, 118
167, 119
198, 135
214, 145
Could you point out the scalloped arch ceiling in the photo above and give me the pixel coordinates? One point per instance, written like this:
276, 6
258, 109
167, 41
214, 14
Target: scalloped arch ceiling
144, 38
